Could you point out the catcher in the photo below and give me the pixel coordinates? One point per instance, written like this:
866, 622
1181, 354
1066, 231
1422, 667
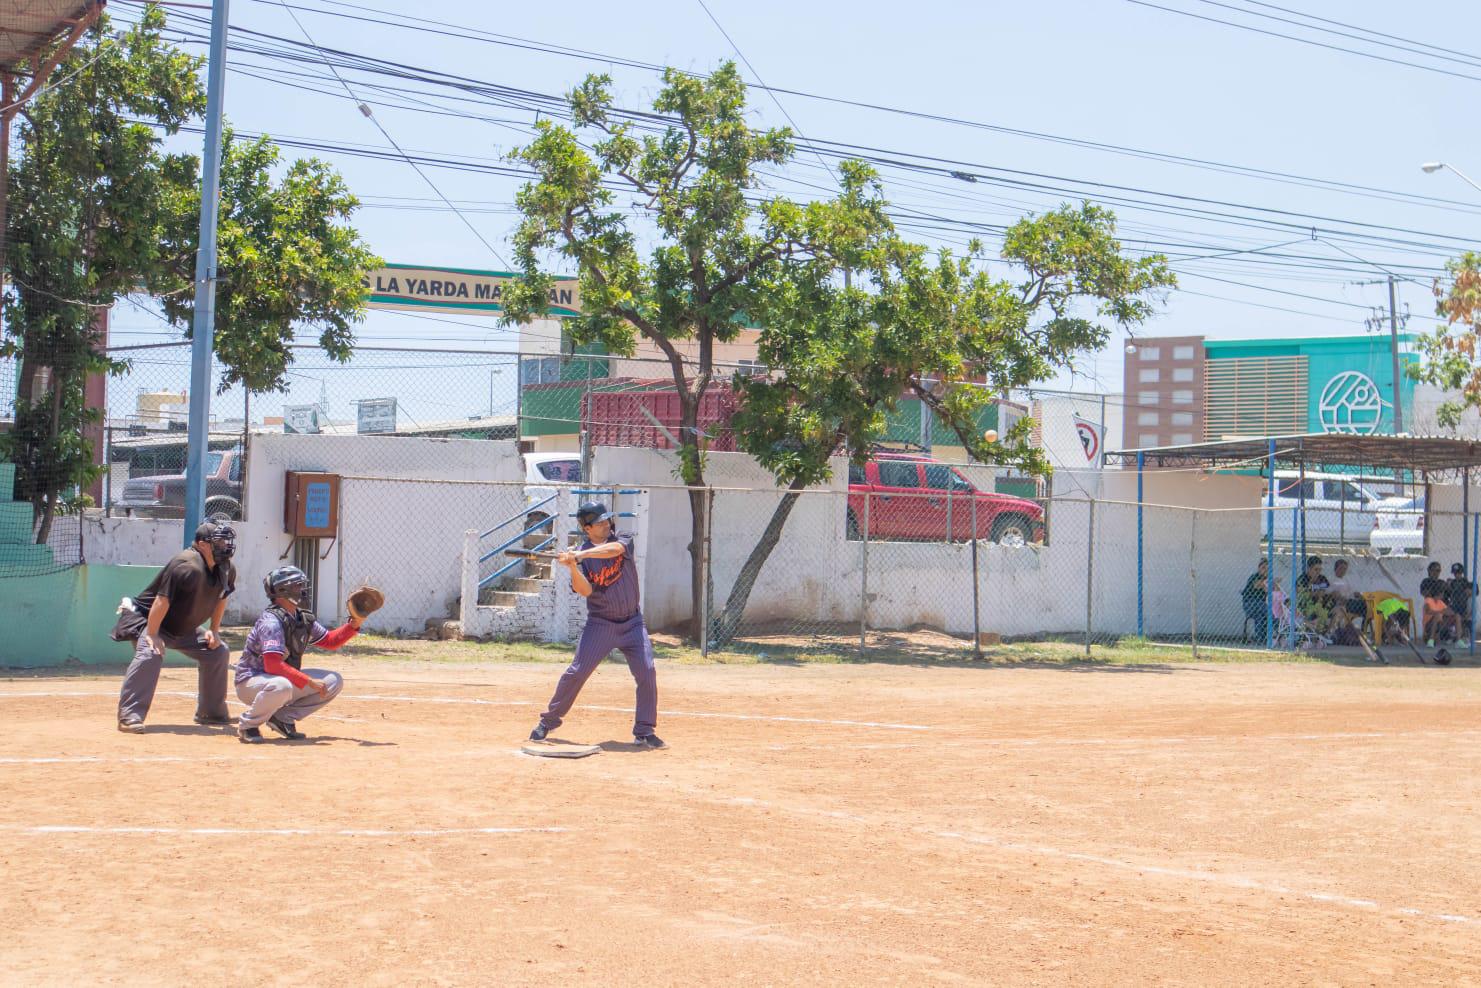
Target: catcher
271, 679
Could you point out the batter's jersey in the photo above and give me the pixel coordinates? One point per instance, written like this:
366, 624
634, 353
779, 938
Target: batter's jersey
614, 583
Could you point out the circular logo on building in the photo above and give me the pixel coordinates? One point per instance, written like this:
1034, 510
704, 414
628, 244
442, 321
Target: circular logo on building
1350, 403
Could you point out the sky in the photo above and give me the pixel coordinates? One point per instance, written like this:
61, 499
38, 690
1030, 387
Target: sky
1114, 72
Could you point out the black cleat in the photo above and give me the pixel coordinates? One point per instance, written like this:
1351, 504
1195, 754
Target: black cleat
538, 734
286, 728
214, 721
131, 725
649, 742
250, 735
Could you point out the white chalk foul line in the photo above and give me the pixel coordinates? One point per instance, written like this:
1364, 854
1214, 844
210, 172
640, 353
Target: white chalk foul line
131, 760
276, 832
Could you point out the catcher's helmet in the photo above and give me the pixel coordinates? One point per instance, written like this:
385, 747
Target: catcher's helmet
592, 512
286, 581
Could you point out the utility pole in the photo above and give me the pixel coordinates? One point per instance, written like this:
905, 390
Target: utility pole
1393, 345
203, 325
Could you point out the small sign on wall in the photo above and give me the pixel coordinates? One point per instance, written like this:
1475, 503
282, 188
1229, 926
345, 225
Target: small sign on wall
376, 415
311, 505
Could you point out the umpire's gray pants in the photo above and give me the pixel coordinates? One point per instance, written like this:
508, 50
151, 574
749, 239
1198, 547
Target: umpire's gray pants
139, 683
269, 695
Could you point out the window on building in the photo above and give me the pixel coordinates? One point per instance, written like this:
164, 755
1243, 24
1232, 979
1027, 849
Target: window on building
750, 368
1149, 375
1148, 398
1182, 438
1147, 418
1183, 375
1149, 353
1182, 397
1182, 353
898, 473
1149, 439
540, 370
1182, 418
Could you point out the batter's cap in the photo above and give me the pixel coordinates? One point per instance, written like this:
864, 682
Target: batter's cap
592, 512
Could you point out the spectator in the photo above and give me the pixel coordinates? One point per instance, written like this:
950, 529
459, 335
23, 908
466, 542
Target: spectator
1439, 619
1348, 608
1394, 614
1253, 597
1314, 596
1458, 595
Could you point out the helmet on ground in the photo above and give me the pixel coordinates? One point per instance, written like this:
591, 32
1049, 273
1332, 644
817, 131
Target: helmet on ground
288, 582
1442, 658
592, 512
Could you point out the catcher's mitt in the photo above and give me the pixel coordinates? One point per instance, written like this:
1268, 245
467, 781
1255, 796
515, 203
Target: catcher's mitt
364, 602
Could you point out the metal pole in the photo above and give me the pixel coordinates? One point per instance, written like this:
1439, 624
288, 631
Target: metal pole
1100, 461
1270, 554
1301, 500
704, 640
1393, 345
976, 606
1475, 550
1141, 622
203, 326
1193, 576
864, 579
1089, 577
1295, 512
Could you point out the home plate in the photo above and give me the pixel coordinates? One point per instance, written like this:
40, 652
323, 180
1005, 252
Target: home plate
560, 749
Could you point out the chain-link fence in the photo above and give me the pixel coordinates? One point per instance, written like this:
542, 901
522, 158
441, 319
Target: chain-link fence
893, 575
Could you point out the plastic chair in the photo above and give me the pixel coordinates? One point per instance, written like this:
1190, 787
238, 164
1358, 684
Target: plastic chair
1373, 598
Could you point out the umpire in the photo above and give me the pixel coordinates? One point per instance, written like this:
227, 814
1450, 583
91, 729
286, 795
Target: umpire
192, 587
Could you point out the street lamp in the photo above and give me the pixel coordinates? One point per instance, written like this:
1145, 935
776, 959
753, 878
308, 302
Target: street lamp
1430, 167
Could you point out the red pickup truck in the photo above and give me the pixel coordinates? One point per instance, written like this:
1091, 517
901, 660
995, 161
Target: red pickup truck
916, 499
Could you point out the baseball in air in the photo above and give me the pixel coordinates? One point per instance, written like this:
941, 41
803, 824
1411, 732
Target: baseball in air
990, 436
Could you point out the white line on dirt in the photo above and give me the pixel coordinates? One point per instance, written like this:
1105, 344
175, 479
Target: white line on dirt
145, 759
275, 832
1186, 874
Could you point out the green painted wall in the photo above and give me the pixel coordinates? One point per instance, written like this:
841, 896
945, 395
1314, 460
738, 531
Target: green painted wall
902, 425
64, 618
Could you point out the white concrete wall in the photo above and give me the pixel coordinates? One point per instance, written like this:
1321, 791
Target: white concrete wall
402, 531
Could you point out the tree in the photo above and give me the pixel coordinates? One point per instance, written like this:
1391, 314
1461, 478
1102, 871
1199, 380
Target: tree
89, 197
99, 210
286, 257
935, 327
1450, 357
717, 248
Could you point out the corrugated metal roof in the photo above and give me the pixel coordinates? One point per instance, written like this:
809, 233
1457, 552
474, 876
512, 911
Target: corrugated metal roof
28, 26
1437, 455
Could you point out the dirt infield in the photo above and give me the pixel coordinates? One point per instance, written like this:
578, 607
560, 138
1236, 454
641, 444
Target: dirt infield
1186, 824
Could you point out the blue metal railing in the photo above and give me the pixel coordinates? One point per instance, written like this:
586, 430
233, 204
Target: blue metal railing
547, 523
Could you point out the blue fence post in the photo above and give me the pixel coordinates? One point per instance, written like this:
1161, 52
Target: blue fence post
1475, 546
1141, 622
203, 323
1270, 554
1465, 543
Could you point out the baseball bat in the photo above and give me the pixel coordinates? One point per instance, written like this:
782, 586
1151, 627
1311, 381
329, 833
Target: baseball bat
531, 553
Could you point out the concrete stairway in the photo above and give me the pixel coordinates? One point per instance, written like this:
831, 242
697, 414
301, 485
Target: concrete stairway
18, 553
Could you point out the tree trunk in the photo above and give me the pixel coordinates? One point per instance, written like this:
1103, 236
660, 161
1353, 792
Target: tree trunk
728, 621
692, 472
48, 512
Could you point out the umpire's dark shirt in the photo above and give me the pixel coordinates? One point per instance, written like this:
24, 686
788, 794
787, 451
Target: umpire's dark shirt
192, 588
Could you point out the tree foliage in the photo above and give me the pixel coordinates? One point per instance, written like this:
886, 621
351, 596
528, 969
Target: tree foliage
676, 242
90, 194
286, 258
98, 209
1450, 355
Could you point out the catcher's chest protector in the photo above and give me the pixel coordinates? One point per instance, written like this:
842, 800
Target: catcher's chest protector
296, 629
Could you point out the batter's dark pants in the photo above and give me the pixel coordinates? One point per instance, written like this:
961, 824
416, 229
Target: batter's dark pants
142, 677
598, 639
